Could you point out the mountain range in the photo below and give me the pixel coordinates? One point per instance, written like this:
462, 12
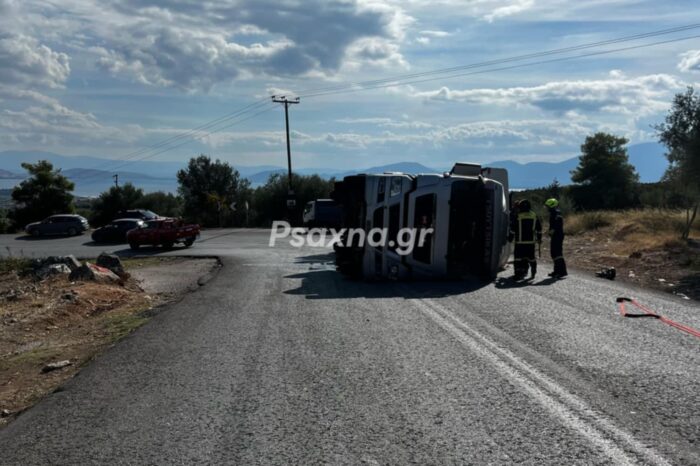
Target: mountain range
93, 175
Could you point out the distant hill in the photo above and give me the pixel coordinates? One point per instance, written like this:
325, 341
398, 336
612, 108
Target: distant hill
93, 175
647, 158
6, 174
403, 167
12, 160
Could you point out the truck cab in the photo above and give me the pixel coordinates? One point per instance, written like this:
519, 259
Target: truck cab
464, 215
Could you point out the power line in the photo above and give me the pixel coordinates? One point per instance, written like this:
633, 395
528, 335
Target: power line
504, 68
195, 132
204, 126
267, 108
412, 78
307, 92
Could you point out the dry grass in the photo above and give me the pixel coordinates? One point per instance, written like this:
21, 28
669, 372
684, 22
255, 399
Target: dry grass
634, 229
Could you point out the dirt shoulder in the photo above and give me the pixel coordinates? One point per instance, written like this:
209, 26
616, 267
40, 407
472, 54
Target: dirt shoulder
56, 320
643, 247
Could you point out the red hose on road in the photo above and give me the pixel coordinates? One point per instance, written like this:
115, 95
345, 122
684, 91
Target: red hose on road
649, 313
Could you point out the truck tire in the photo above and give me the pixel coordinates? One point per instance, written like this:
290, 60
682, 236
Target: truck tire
134, 246
189, 242
168, 245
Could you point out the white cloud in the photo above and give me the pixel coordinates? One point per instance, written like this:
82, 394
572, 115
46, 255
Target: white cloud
196, 45
690, 61
25, 62
435, 33
374, 52
638, 96
514, 7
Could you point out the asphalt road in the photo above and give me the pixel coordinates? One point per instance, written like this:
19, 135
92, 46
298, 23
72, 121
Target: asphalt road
280, 360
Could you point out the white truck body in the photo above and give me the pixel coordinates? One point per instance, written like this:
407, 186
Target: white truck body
468, 210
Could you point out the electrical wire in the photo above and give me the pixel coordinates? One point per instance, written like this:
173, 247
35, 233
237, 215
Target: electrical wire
267, 108
211, 127
351, 85
504, 68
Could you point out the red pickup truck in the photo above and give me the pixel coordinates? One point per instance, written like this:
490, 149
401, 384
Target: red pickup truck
163, 231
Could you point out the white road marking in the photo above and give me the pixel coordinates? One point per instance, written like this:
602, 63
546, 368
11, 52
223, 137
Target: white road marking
575, 413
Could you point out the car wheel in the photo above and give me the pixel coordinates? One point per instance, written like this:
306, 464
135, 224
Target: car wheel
35, 233
168, 245
134, 246
72, 232
189, 242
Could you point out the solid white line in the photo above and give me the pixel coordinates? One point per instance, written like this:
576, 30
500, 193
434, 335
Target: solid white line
571, 410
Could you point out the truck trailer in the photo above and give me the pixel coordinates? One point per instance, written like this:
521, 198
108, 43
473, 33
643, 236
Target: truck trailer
462, 216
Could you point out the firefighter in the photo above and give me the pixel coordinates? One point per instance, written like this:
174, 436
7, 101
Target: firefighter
556, 233
526, 231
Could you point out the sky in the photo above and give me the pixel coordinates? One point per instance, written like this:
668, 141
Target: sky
120, 78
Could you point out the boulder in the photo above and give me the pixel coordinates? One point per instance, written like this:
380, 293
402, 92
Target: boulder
52, 269
92, 272
113, 263
70, 261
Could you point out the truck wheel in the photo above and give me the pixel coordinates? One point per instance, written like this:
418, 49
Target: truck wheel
168, 245
134, 246
189, 242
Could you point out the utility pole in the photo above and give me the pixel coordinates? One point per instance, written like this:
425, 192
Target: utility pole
116, 180
287, 103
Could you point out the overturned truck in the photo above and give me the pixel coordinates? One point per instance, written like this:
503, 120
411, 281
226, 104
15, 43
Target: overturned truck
462, 218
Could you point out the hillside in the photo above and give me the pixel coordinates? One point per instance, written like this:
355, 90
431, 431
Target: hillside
93, 175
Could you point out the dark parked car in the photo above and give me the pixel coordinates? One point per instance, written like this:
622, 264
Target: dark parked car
58, 225
140, 214
115, 232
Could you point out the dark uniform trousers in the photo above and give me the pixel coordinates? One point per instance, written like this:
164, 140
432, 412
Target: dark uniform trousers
556, 228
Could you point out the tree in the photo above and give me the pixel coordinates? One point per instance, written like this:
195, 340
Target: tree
605, 178
554, 189
164, 204
117, 198
680, 133
270, 200
208, 190
46, 192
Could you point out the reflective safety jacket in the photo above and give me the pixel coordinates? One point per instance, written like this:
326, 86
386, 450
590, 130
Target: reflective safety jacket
526, 228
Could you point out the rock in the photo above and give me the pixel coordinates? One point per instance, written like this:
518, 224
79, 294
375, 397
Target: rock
52, 269
71, 296
92, 272
636, 255
52, 366
70, 261
5, 412
112, 262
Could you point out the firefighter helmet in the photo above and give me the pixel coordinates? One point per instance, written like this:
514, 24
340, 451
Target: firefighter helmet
551, 203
